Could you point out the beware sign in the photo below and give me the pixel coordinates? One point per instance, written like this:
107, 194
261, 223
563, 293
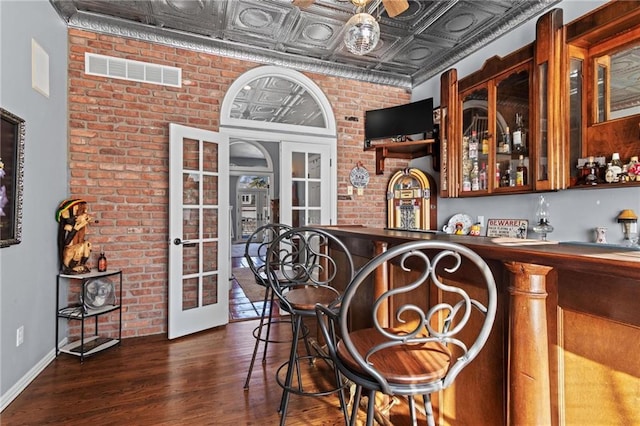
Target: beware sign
514, 228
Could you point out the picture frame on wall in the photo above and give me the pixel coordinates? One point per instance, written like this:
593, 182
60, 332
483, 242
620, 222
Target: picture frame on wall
12, 139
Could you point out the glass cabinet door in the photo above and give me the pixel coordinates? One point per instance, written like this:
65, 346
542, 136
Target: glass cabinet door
475, 141
512, 130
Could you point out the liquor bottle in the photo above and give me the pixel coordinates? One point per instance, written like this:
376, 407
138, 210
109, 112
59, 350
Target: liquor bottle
484, 182
498, 175
473, 145
519, 136
475, 177
485, 143
102, 262
634, 168
521, 172
504, 179
616, 166
506, 142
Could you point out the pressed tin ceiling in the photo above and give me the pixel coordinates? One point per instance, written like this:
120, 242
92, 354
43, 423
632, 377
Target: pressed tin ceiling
418, 44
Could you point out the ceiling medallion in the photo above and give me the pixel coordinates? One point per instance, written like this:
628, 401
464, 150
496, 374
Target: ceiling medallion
255, 18
318, 32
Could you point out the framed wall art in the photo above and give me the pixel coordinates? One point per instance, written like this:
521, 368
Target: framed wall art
12, 136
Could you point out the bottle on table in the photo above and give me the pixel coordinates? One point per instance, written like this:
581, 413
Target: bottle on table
102, 262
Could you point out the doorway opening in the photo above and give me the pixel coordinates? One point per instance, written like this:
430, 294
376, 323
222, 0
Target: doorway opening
269, 110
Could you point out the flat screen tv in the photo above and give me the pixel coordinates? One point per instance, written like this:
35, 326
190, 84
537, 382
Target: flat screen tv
402, 120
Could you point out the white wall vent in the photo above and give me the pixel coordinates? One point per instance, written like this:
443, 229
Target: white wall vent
127, 69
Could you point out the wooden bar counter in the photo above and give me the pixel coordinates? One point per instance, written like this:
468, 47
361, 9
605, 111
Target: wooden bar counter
565, 345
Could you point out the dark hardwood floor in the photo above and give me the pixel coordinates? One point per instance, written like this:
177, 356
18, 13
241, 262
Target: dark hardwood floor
196, 380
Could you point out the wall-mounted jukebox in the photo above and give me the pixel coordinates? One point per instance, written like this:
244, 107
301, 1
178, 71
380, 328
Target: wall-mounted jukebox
412, 201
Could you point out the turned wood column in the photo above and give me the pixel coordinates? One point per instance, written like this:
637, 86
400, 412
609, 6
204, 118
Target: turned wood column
528, 394
381, 283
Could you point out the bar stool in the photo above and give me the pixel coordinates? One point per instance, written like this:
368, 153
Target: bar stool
256, 258
311, 277
429, 344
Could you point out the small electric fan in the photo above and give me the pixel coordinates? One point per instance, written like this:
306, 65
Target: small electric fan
98, 293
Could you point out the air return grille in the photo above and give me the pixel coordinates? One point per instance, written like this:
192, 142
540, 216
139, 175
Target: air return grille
127, 69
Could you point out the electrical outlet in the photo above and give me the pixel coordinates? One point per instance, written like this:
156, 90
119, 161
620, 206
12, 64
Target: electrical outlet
19, 335
349, 190
481, 220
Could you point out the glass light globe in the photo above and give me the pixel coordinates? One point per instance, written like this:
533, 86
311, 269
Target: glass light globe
542, 225
362, 34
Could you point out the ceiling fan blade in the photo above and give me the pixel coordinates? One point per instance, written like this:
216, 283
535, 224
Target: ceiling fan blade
395, 7
302, 3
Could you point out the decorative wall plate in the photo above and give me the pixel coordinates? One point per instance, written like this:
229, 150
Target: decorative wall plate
359, 176
459, 224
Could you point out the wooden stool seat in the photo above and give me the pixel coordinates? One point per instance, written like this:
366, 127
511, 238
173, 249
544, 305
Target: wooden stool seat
405, 364
306, 298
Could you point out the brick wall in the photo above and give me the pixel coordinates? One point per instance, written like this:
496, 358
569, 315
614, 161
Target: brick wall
118, 157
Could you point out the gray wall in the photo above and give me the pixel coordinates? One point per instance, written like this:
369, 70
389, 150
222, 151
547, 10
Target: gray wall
28, 270
573, 213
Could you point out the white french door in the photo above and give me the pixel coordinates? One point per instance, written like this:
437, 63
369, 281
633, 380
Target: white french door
198, 230
306, 184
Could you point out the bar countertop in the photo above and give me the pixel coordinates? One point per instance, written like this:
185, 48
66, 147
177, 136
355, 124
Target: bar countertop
572, 256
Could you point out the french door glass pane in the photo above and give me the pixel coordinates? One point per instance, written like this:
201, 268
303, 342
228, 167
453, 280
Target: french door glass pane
190, 154
210, 190
210, 289
313, 167
210, 256
190, 259
315, 194
210, 157
299, 165
189, 293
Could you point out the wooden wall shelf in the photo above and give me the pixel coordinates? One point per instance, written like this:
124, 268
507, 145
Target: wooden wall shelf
404, 150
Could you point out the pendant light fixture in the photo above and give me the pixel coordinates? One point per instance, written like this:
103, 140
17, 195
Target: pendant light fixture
362, 31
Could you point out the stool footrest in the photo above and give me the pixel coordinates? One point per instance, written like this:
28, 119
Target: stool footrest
323, 375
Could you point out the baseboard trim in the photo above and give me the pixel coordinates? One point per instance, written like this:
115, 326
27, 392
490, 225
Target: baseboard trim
8, 397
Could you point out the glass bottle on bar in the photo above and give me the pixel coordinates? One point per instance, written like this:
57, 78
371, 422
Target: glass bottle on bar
519, 139
521, 172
